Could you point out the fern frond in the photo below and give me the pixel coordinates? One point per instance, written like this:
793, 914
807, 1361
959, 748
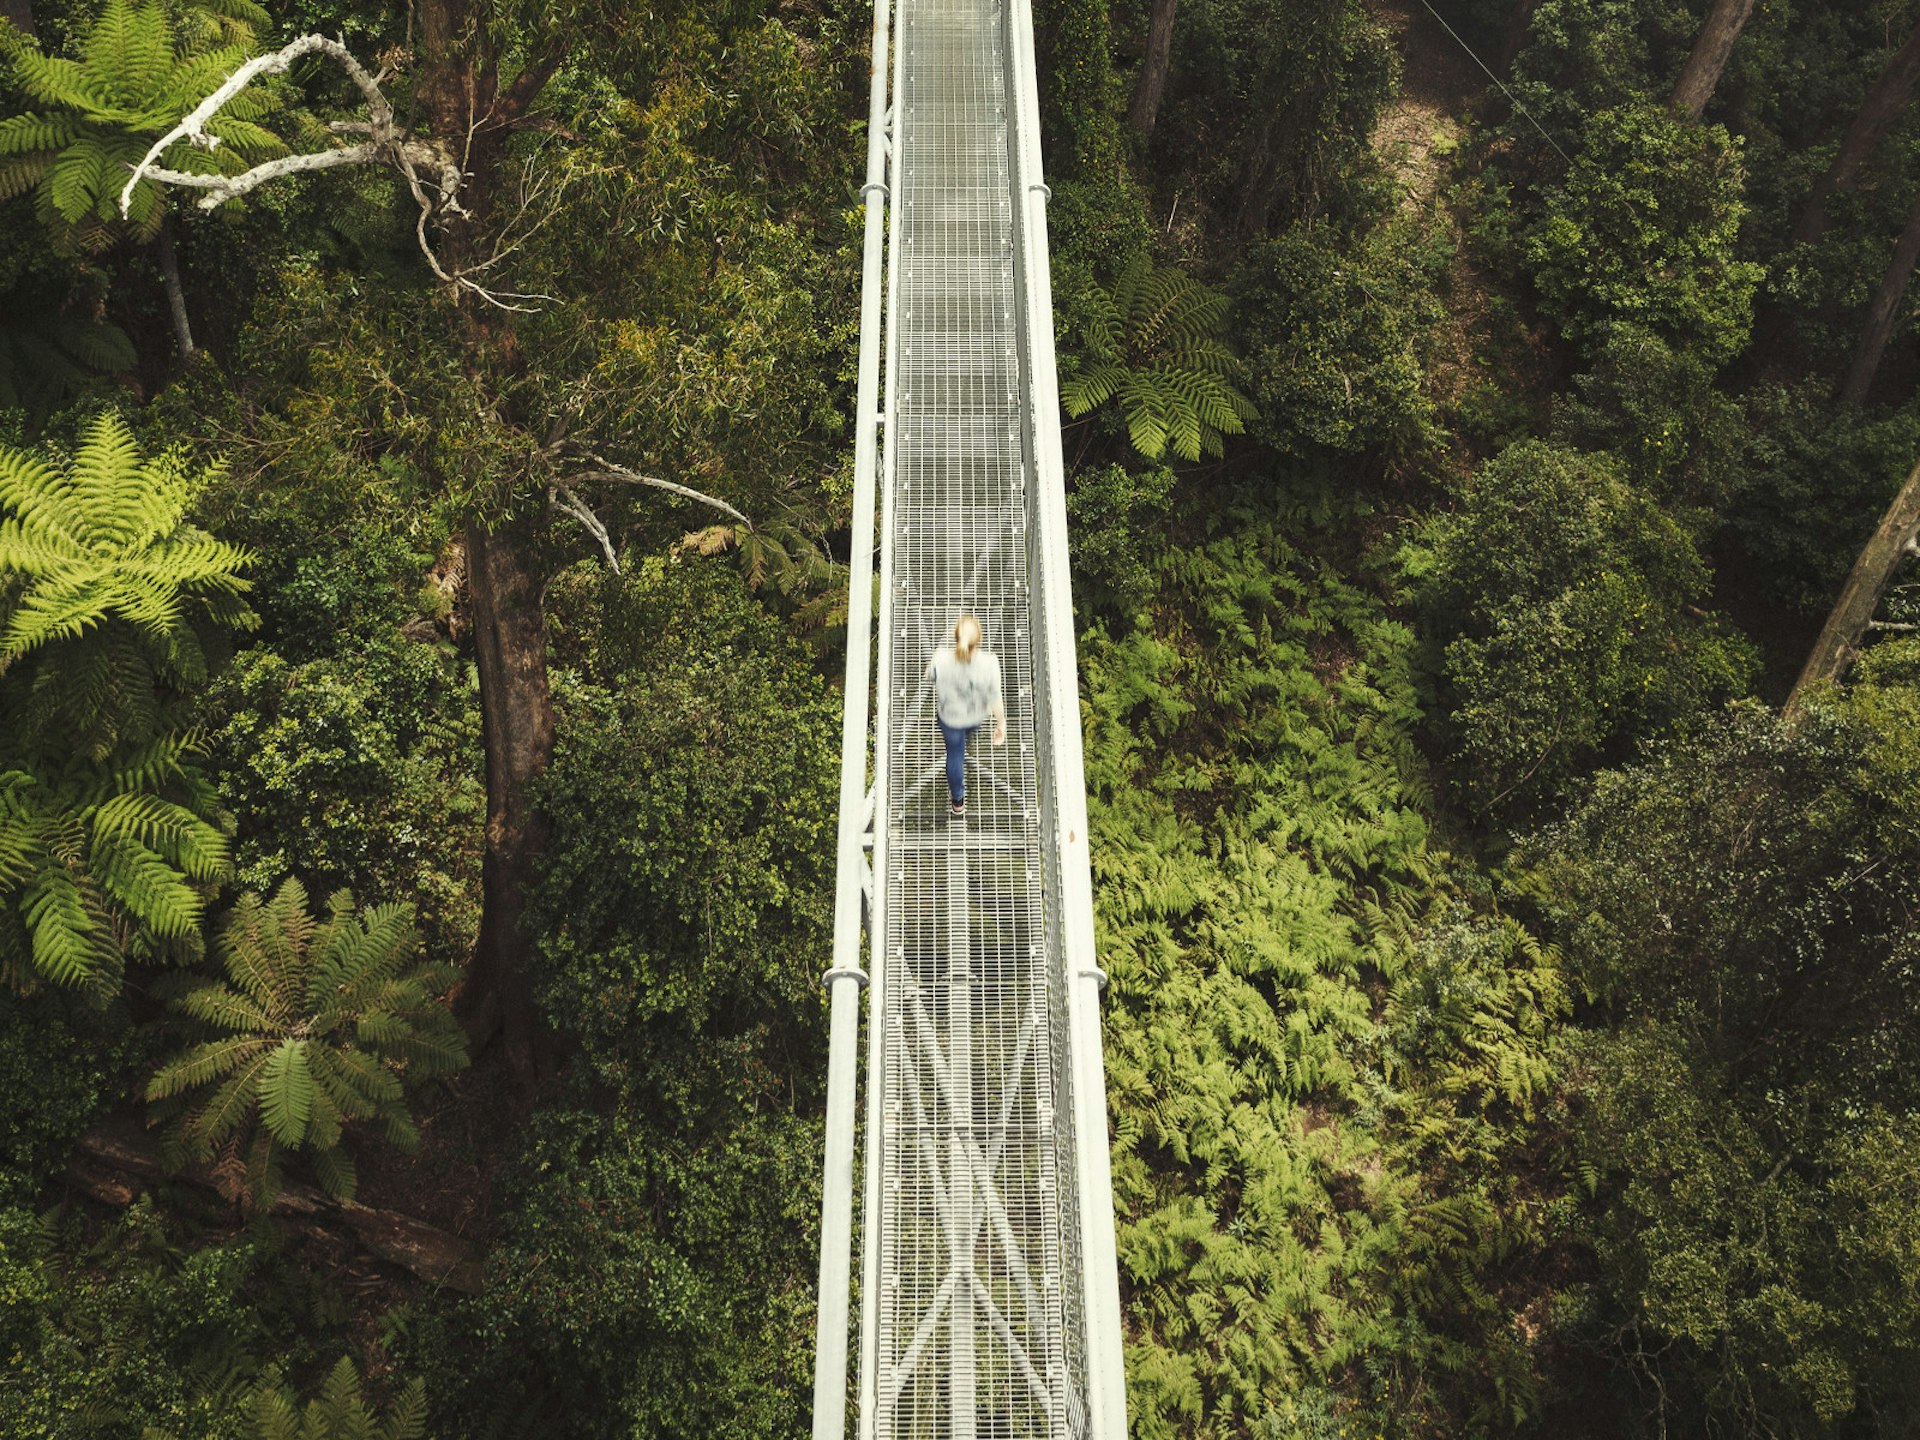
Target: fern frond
202, 1064
54, 80
146, 886
286, 1093
71, 939
228, 1107
219, 1005
274, 1415
244, 11
128, 51
409, 1420
338, 1175
1091, 388
29, 134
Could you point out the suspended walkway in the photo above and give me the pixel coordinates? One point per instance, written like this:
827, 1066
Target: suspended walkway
989, 1301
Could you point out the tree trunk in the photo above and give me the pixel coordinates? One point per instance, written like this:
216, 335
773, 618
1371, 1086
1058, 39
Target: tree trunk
460, 93
1885, 100
176, 297
516, 717
1884, 312
1152, 84
1710, 51
1258, 180
19, 14
1516, 34
1840, 638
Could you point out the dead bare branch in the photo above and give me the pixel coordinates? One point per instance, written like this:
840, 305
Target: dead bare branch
610, 471
433, 176
563, 499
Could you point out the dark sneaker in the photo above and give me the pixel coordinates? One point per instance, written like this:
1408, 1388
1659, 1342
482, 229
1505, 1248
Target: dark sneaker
960, 812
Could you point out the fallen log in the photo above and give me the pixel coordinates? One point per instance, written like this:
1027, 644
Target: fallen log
107, 1155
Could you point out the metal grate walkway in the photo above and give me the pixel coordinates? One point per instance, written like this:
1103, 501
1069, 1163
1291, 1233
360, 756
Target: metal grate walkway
988, 1296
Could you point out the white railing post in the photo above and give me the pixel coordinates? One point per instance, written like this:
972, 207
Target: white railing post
845, 979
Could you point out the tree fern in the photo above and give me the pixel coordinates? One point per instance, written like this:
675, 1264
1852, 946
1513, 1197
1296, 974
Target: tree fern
1156, 343
337, 1411
110, 607
136, 75
49, 353
317, 1024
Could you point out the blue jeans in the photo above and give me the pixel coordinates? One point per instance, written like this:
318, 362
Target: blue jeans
956, 760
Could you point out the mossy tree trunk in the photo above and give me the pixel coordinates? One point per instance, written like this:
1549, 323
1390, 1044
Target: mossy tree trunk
1885, 100
1711, 47
1892, 541
1884, 313
461, 95
1152, 84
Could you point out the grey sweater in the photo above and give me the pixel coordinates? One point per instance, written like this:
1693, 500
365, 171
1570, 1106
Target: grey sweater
966, 691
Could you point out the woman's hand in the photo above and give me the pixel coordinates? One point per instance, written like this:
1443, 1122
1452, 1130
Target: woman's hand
999, 733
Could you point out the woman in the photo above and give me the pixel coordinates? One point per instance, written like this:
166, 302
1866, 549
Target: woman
966, 686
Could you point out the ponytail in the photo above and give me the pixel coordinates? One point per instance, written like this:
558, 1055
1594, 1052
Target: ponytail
966, 638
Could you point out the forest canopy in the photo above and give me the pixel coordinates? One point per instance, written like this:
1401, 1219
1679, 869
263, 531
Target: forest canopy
1493, 462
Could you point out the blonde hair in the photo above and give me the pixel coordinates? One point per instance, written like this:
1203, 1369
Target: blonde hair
966, 638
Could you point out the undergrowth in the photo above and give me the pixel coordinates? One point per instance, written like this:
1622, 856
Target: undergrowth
1323, 1039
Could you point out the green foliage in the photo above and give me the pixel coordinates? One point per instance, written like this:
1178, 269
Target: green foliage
361, 770
1333, 332
657, 1257
1112, 511
1741, 901
137, 74
1081, 104
1656, 410
686, 888
1157, 343
318, 1025
337, 1412
1818, 479
1643, 230
58, 1068
659, 1275
1582, 57
51, 351
1269, 107
1565, 603
136, 1329
114, 608
1318, 1076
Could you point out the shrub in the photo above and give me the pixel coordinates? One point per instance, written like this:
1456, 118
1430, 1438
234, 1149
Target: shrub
1332, 336
1643, 230
1817, 480
693, 789
135, 1329
360, 772
1740, 902
59, 1063
1564, 601
1112, 512
1656, 410
658, 1276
